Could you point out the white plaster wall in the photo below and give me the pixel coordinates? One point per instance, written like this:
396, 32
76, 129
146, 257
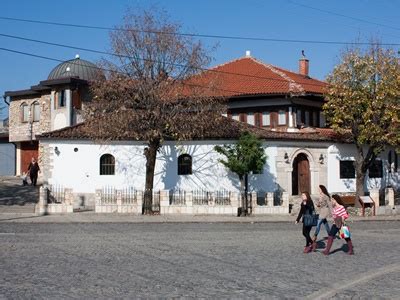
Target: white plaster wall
80, 170
347, 152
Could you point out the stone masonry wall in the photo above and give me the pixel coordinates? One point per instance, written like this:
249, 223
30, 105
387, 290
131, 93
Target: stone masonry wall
26, 131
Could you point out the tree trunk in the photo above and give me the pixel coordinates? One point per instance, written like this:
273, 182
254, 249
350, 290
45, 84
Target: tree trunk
242, 195
151, 156
360, 172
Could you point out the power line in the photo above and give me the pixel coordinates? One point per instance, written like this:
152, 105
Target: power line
343, 16
99, 68
144, 59
245, 38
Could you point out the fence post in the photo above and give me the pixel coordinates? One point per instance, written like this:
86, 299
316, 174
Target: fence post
164, 202
189, 202
254, 199
270, 199
139, 202
43, 197
97, 197
374, 194
68, 202
389, 197
285, 201
234, 199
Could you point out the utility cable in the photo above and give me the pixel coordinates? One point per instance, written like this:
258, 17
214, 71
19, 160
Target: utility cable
245, 38
149, 60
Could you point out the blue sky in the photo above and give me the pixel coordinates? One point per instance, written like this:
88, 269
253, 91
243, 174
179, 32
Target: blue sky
283, 19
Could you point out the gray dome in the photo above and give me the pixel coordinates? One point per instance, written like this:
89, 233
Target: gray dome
76, 68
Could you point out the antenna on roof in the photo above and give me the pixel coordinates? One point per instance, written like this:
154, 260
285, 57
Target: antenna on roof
77, 56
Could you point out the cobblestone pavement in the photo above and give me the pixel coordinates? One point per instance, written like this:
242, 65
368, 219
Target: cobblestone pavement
193, 260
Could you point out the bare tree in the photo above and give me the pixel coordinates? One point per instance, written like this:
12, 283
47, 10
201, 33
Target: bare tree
154, 90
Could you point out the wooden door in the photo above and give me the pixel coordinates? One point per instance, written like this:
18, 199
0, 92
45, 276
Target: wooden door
28, 150
301, 181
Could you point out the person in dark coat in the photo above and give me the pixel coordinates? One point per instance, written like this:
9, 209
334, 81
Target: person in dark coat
33, 170
307, 207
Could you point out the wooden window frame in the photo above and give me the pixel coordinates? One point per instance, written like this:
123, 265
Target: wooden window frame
34, 104
24, 105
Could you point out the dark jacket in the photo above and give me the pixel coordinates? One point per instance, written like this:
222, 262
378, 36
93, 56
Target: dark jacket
307, 208
33, 169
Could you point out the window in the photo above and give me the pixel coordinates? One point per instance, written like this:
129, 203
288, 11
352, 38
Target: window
307, 117
322, 120
61, 98
107, 164
347, 169
375, 170
282, 118
266, 119
250, 118
298, 117
315, 119
24, 112
235, 116
392, 161
36, 111
184, 164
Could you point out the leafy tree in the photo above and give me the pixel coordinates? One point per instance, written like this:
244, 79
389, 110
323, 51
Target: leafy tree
246, 156
363, 102
148, 89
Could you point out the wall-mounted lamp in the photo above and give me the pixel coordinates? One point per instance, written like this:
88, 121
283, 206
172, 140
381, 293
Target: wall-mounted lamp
286, 157
321, 159
56, 151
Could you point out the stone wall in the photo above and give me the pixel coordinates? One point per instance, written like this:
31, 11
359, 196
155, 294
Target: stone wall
26, 131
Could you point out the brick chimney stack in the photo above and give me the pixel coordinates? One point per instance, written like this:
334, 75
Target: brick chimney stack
303, 64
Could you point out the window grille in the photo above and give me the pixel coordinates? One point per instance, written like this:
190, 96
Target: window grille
107, 164
184, 164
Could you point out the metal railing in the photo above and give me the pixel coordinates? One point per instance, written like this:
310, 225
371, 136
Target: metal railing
222, 197
56, 194
108, 195
177, 197
129, 195
201, 197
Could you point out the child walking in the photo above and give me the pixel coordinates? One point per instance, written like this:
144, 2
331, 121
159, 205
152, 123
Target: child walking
339, 215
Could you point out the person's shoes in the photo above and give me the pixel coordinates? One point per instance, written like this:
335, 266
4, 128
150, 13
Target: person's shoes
307, 249
328, 246
314, 246
350, 246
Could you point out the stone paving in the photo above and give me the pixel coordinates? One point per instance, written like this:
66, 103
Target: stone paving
193, 260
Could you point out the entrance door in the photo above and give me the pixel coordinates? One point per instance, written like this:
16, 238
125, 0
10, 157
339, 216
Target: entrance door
301, 175
28, 150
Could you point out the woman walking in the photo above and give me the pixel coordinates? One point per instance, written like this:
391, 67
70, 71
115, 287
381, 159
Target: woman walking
324, 210
307, 207
339, 215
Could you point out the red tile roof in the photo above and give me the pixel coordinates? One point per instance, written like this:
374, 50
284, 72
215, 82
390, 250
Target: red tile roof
248, 76
220, 128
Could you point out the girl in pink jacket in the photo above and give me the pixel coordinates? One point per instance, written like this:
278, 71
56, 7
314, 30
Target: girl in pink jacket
339, 215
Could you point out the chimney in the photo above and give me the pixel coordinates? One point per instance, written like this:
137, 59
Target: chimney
303, 65
248, 53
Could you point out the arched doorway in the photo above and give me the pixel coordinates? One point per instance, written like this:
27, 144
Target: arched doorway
301, 179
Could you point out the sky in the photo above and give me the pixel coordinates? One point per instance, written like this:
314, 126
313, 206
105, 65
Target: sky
316, 20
